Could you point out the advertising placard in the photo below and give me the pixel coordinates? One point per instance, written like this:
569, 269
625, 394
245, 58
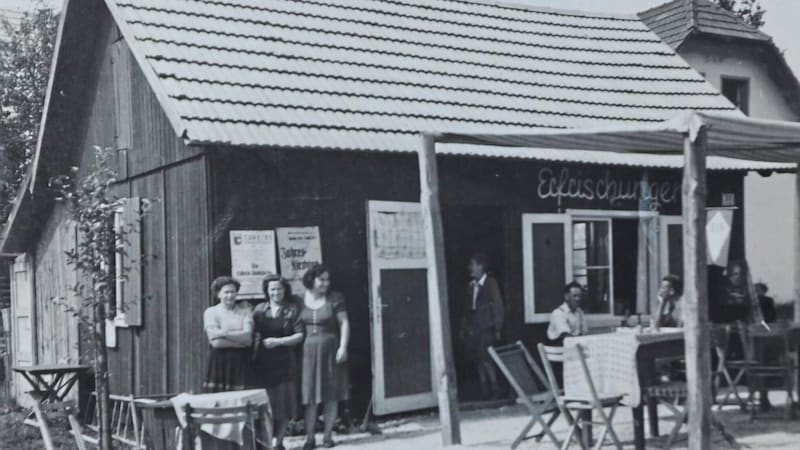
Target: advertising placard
252, 258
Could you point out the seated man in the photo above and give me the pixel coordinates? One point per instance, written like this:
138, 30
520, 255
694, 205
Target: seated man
568, 319
670, 308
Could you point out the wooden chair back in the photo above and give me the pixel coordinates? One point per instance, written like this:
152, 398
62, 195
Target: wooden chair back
127, 426
234, 415
587, 375
521, 371
550, 355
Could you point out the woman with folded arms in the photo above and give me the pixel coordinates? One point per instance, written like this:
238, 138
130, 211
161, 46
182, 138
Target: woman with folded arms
229, 328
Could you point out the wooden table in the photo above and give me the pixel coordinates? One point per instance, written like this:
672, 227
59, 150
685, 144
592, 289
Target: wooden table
50, 383
616, 369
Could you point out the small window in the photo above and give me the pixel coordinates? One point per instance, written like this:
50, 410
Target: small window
591, 263
737, 90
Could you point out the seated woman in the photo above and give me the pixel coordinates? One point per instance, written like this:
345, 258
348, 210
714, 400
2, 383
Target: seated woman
278, 330
229, 328
670, 309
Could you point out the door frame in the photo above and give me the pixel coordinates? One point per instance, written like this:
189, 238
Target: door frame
381, 404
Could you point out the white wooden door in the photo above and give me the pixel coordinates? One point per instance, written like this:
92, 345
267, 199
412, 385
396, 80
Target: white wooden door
23, 330
402, 364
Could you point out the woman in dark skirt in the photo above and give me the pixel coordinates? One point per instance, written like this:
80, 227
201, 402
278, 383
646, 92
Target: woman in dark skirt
278, 329
324, 377
229, 327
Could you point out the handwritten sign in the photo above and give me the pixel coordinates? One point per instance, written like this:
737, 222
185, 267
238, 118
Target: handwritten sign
298, 250
566, 183
252, 258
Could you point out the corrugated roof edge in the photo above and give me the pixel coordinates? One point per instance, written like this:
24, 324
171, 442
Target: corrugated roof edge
715, 163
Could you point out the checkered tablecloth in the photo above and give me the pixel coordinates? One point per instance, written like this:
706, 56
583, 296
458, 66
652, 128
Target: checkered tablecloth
228, 432
611, 358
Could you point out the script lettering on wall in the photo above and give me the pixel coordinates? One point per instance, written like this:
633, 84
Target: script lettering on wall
564, 183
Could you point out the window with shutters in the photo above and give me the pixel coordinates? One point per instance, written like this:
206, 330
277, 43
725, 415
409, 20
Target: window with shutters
127, 265
617, 256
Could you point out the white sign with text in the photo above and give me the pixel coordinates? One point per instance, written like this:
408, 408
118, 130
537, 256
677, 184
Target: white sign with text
298, 249
252, 258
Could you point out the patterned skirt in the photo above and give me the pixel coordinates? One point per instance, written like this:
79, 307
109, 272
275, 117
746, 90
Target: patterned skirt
229, 369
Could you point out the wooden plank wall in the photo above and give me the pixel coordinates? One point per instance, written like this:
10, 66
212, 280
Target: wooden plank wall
58, 329
167, 353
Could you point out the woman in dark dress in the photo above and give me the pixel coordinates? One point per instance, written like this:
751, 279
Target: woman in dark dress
324, 377
278, 329
229, 328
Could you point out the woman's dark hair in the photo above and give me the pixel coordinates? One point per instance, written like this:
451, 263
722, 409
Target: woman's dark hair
287, 289
676, 283
312, 274
221, 282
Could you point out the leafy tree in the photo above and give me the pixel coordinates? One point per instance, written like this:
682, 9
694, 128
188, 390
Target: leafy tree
748, 10
102, 240
25, 57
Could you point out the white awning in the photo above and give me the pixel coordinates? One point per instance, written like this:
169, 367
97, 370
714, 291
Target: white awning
727, 135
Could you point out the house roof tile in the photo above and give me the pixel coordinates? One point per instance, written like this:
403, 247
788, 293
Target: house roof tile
370, 75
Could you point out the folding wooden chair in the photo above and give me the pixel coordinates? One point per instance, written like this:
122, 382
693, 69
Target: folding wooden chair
594, 402
127, 426
673, 395
757, 344
731, 372
196, 417
47, 411
531, 387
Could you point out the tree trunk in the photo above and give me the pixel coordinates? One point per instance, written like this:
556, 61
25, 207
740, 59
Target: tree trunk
101, 377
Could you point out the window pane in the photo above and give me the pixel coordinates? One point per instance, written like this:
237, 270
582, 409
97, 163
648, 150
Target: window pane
596, 299
591, 263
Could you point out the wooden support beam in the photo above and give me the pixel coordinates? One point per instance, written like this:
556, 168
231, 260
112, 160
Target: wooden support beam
438, 309
797, 244
695, 295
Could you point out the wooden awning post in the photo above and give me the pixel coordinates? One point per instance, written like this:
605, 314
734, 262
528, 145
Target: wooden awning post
438, 308
696, 324
797, 244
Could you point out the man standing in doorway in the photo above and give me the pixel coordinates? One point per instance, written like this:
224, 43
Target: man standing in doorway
568, 319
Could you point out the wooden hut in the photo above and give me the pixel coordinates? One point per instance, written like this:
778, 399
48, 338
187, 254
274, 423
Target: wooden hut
263, 115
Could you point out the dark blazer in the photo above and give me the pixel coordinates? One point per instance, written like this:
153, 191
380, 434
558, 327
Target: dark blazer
489, 310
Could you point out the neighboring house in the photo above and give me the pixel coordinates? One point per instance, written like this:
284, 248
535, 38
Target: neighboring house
269, 114
745, 65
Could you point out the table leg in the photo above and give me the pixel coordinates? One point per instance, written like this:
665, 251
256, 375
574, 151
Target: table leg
652, 417
586, 428
638, 427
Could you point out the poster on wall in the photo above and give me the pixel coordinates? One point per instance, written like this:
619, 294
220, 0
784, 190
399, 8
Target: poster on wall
298, 249
252, 258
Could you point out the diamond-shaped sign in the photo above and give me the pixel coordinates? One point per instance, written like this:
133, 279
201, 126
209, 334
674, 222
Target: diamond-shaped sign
718, 231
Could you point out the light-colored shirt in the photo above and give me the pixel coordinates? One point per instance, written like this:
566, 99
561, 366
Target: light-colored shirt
476, 286
563, 320
240, 318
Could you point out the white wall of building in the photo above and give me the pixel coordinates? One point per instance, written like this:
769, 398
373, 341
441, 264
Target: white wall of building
769, 201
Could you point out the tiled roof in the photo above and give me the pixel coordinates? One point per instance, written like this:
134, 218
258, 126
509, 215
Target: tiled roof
372, 74
675, 20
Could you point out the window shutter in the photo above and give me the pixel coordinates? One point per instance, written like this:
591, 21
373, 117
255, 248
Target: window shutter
547, 262
132, 262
